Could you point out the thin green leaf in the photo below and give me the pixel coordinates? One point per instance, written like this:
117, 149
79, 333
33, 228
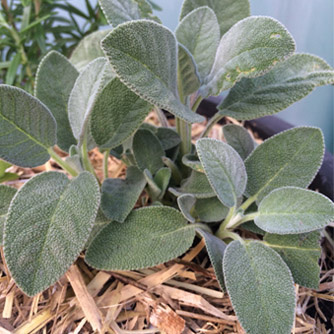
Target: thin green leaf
12, 69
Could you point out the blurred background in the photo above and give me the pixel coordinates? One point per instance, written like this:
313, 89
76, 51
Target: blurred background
30, 28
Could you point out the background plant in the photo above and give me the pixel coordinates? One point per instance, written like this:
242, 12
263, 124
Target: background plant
212, 188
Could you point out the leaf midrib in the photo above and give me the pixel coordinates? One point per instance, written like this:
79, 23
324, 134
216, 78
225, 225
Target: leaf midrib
303, 249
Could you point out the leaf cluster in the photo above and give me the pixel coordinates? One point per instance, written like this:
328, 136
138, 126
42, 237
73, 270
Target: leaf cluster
101, 96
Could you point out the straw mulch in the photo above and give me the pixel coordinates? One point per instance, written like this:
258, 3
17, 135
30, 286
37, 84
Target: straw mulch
181, 296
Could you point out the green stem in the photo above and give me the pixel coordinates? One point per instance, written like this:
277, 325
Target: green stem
215, 119
85, 158
161, 117
230, 235
63, 164
105, 164
184, 130
248, 202
196, 104
244, 219
223, 225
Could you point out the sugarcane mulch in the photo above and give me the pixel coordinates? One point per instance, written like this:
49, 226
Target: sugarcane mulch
181, 296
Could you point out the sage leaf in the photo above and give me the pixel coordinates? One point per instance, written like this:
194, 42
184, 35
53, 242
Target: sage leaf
239, 138
301, 253
88, 49
147, 151
291, 158
210, 210
286, 83
24, 142
291, 210
120, 11
5, 176
6, 195
168, 137
199, 33
83, 96
261, 288
117, 113
161, 179
186, 204
120, 196
228, 12
191, 160
129, 246
196, 184
216, 249
48, 224
249, 49
188, 76
55, 79
224, 168
144, 56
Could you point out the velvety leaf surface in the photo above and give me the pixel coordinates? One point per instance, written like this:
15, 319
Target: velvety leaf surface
228, 12
55, 79
224, 168
6, 196
120, 196
144, 56
162, 178
188, 76
291, 210
169, 138
120, 11
117, 114
192, 161
250, 48
83, 96
129, 246
186, 204
88, 49
48, 224
301, 253
291, 158
239, 138
261, 288
27, 128
285, 84
196, 184
199, 33
210, 210
216, 249
147, 151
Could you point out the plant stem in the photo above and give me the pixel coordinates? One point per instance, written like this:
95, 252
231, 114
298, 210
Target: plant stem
161, 116
184, 130
105, 164
215, 119
223, 225
61, 162
248, 202
244, 219
85, 158
196, 104
230, 235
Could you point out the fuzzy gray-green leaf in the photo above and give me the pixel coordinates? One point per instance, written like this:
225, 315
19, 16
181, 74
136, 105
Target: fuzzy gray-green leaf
83, 96
301, 253
199, 33
228, 12
6, 196
120, 196
239, 138
285, 84
116, 115
148, 151
129, 246
168, 137
55, 79
48, 224
120, 11
291, 158
188, 76
196, 184
210, 210
144, 56
88, 49
192, 161
250, 48
261, 288
27, 128
224, 168
216, 249
291, 210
